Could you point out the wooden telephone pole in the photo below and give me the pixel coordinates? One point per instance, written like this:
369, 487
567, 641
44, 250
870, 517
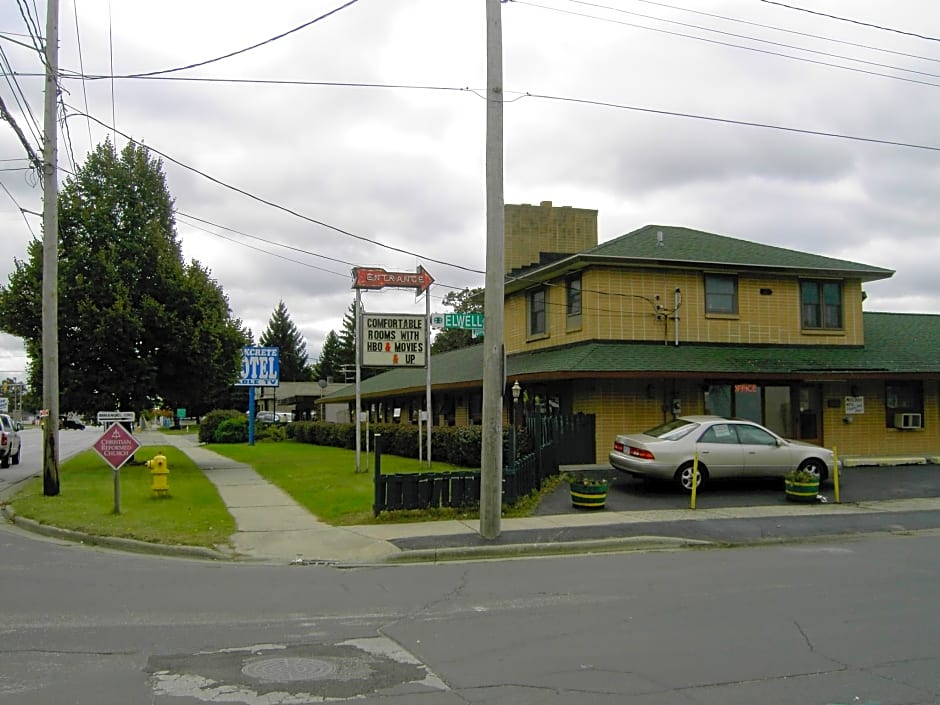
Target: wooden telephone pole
50, 259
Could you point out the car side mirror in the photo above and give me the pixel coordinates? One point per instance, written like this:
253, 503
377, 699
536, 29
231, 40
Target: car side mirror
18, 426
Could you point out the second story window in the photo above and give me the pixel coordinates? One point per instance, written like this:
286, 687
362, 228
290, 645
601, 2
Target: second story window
721, 293
821, 304
574, 295
537, 322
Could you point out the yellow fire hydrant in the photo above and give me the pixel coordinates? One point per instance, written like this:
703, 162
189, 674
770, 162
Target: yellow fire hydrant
160, 473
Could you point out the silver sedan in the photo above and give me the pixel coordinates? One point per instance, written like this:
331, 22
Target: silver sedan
725, 448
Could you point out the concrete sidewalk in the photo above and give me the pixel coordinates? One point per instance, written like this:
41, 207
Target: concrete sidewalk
272, 527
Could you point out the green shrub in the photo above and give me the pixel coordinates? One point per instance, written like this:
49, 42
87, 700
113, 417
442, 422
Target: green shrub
210, 422
232, 431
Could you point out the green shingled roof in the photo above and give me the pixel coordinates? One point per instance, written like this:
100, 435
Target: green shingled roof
695, 248
895, 343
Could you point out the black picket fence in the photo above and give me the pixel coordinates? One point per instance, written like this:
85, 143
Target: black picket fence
462, 489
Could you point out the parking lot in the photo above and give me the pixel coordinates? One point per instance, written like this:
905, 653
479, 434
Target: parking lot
856, 485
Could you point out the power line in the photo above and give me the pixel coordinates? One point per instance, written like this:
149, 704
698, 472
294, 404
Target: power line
853, 21
728, 121
81, 66
749, 38
241, 51
736, 46
786, 31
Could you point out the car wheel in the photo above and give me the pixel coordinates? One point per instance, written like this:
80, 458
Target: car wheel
16, 458
683, 477
815, 466
5, 461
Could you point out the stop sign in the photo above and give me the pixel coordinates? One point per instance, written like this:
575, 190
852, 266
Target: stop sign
116, 445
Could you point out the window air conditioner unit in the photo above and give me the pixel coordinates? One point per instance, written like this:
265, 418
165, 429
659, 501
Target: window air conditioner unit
908, 421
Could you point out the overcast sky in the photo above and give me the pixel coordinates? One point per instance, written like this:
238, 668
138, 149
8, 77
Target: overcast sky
392, 151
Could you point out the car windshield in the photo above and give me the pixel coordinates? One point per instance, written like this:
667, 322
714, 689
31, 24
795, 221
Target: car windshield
672, 430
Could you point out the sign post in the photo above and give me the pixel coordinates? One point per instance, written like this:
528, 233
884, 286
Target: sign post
116, 446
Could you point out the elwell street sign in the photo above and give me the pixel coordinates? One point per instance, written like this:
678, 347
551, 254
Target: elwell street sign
116, 445
106, 416
465, 321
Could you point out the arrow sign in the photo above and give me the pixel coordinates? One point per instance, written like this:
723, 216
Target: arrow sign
377, 278
116, 445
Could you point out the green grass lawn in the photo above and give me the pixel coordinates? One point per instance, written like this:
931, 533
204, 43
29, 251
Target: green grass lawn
192, 514
322, 479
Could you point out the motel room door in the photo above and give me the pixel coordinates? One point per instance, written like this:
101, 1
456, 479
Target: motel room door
809, 419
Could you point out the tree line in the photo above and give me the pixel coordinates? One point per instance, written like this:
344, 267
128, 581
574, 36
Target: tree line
139, 327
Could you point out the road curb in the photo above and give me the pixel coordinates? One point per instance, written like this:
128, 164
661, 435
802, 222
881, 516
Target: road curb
522, 550
132, 545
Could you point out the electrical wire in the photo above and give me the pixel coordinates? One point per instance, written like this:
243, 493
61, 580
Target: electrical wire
853, 21
749, 38
781, 29
240, 51
81, 66
730, 44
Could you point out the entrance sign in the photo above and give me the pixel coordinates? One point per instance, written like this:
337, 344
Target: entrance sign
116, 445
393, 340
378, 278
260, 367
106, 416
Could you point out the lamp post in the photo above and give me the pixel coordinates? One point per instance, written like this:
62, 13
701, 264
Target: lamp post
322, 383
516, 391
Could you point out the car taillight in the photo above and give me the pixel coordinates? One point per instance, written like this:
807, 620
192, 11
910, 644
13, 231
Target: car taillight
618, 447
641, 453
3, 439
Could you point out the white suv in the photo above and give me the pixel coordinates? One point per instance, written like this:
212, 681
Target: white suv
9, 441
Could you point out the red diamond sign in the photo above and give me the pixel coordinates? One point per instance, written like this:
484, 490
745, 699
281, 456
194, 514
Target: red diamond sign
117, 445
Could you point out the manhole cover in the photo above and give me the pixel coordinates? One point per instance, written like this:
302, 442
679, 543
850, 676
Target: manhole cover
280, 670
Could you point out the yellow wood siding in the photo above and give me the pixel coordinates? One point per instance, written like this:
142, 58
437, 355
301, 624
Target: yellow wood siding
637, 305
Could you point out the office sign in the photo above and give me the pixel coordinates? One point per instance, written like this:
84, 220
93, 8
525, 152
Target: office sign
260, 367
393, 340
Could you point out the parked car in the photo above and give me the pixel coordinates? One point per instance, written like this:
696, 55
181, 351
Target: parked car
725, 447
9, 441
274, 417
71, 422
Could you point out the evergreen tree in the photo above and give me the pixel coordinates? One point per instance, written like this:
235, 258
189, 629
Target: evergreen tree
327, 366
137, 326
281, 333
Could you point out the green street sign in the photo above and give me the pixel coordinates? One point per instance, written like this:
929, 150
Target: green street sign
181, 413
464, 321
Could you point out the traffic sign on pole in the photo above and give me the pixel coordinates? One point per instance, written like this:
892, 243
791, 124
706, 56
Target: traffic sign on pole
106, 416
117, 445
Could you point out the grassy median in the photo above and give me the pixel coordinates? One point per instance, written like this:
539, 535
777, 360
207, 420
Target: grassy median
192, 514
322, 479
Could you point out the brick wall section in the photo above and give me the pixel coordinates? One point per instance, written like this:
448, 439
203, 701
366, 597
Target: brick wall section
530, 230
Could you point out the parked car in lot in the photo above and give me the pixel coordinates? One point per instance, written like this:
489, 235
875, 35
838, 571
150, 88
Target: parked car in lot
9, 441
72, 422
274, 417
725, 447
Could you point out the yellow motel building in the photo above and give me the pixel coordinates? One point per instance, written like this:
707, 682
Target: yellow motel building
667, 321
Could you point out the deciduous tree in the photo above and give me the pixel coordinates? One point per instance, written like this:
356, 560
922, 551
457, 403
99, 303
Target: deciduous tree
138, 327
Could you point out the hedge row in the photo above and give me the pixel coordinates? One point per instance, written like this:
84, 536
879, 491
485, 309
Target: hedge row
457, 445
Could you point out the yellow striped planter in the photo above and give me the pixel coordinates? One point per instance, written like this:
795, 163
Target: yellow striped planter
802, 491
589, 496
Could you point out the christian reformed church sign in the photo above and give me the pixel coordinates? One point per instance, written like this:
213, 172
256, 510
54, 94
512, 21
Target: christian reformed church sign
393, 340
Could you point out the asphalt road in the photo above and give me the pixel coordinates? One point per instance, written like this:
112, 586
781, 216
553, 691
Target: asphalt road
817, 624
70, 443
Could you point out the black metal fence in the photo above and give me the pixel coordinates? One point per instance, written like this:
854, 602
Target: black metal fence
556, 441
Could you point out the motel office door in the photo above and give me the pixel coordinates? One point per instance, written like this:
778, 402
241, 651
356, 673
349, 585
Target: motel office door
790, 411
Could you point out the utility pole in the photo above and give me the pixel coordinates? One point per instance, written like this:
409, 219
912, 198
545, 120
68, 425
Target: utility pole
491, 473
50, 259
